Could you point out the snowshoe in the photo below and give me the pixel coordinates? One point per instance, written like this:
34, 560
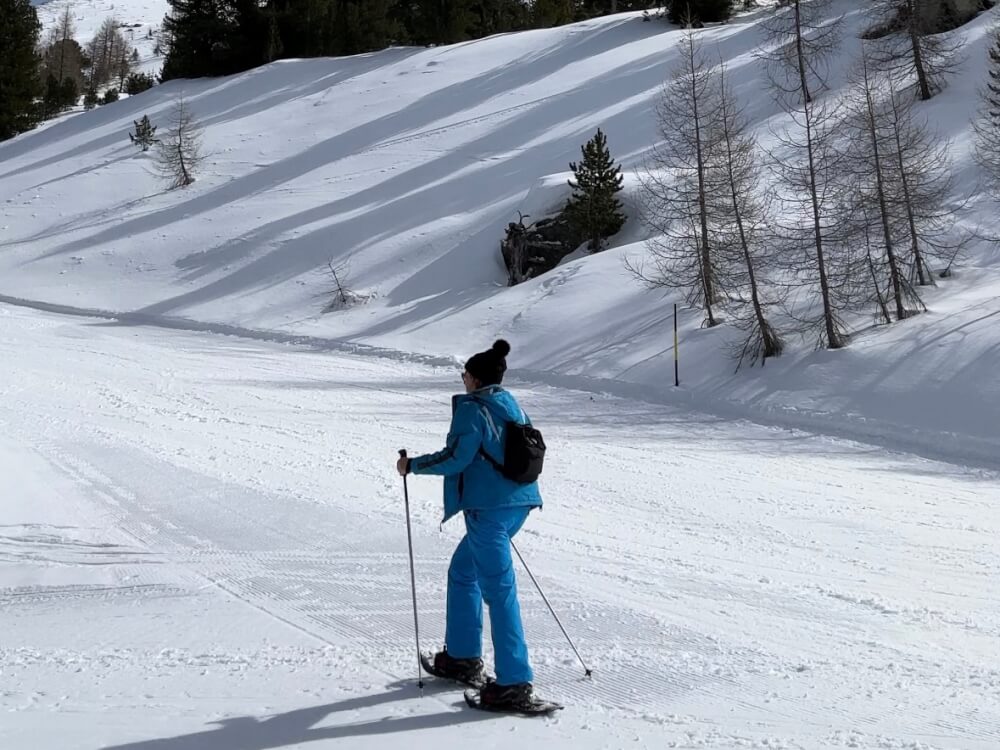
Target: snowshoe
466, 671
510, 699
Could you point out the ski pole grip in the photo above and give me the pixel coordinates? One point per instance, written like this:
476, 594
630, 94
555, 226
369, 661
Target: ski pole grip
402, 453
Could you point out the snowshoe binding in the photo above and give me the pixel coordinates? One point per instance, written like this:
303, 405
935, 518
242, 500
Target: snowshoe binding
466, 671
510, 699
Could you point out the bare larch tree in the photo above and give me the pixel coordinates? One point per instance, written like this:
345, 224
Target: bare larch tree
742, 235
109, 54
923, 196
180, 155
869, 168
802, 37
59, 51
682, 175
988, 122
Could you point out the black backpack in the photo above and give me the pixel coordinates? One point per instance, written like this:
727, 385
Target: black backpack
523, 453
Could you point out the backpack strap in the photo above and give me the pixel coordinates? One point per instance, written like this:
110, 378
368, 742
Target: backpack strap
496, 465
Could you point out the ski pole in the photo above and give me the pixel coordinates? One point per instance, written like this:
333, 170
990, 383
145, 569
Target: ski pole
586, 670
413, 578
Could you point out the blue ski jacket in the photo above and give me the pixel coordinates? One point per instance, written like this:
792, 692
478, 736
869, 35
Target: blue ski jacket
478, 423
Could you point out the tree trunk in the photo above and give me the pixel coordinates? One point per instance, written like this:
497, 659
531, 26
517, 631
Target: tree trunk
923, 273
897, 290
878, 292
62, 46
918, 57
800, 55
833, 337
707, 282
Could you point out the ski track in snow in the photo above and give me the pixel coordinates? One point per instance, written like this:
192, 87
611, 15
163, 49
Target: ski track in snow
733, 585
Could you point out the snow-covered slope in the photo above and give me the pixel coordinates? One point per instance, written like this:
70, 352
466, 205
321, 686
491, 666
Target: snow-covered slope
407, 164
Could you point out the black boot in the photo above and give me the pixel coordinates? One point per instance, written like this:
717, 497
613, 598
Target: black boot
469, 671
496, 696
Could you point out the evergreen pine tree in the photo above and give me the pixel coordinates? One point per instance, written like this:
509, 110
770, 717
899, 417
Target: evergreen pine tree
69, 92
145, 133
19, 83
63, 59
137, 83
699, 12
593, 211
52, 98
210, 38
440, 21
498, 16
547, 13
365, 25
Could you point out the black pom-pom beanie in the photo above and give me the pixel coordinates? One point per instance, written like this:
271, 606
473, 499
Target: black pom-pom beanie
489, 367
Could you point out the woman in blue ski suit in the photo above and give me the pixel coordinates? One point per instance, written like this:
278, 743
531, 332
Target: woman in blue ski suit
494, 508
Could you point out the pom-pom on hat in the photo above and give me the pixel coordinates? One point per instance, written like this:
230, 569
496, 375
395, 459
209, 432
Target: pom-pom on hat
489, 367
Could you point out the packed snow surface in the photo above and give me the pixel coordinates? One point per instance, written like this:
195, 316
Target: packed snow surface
203, 546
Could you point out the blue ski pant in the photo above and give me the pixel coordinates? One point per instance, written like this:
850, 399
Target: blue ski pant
482, 569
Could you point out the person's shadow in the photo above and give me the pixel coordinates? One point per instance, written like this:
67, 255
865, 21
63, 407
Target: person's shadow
295, 727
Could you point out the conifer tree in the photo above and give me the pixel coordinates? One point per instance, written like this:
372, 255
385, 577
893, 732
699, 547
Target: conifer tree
699, 12
90, 98
210, 38
58, 95
546, 13
441, 21
63, 60
137, 83
19, 82
362, 26
593, 210
69, 92
145, 134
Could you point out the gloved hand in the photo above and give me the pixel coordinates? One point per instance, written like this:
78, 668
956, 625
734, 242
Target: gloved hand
403, 466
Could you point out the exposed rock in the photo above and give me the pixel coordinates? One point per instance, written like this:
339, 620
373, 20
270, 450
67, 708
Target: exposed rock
529, 251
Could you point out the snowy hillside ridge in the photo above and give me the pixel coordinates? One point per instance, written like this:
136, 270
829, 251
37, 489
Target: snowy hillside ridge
409, 163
